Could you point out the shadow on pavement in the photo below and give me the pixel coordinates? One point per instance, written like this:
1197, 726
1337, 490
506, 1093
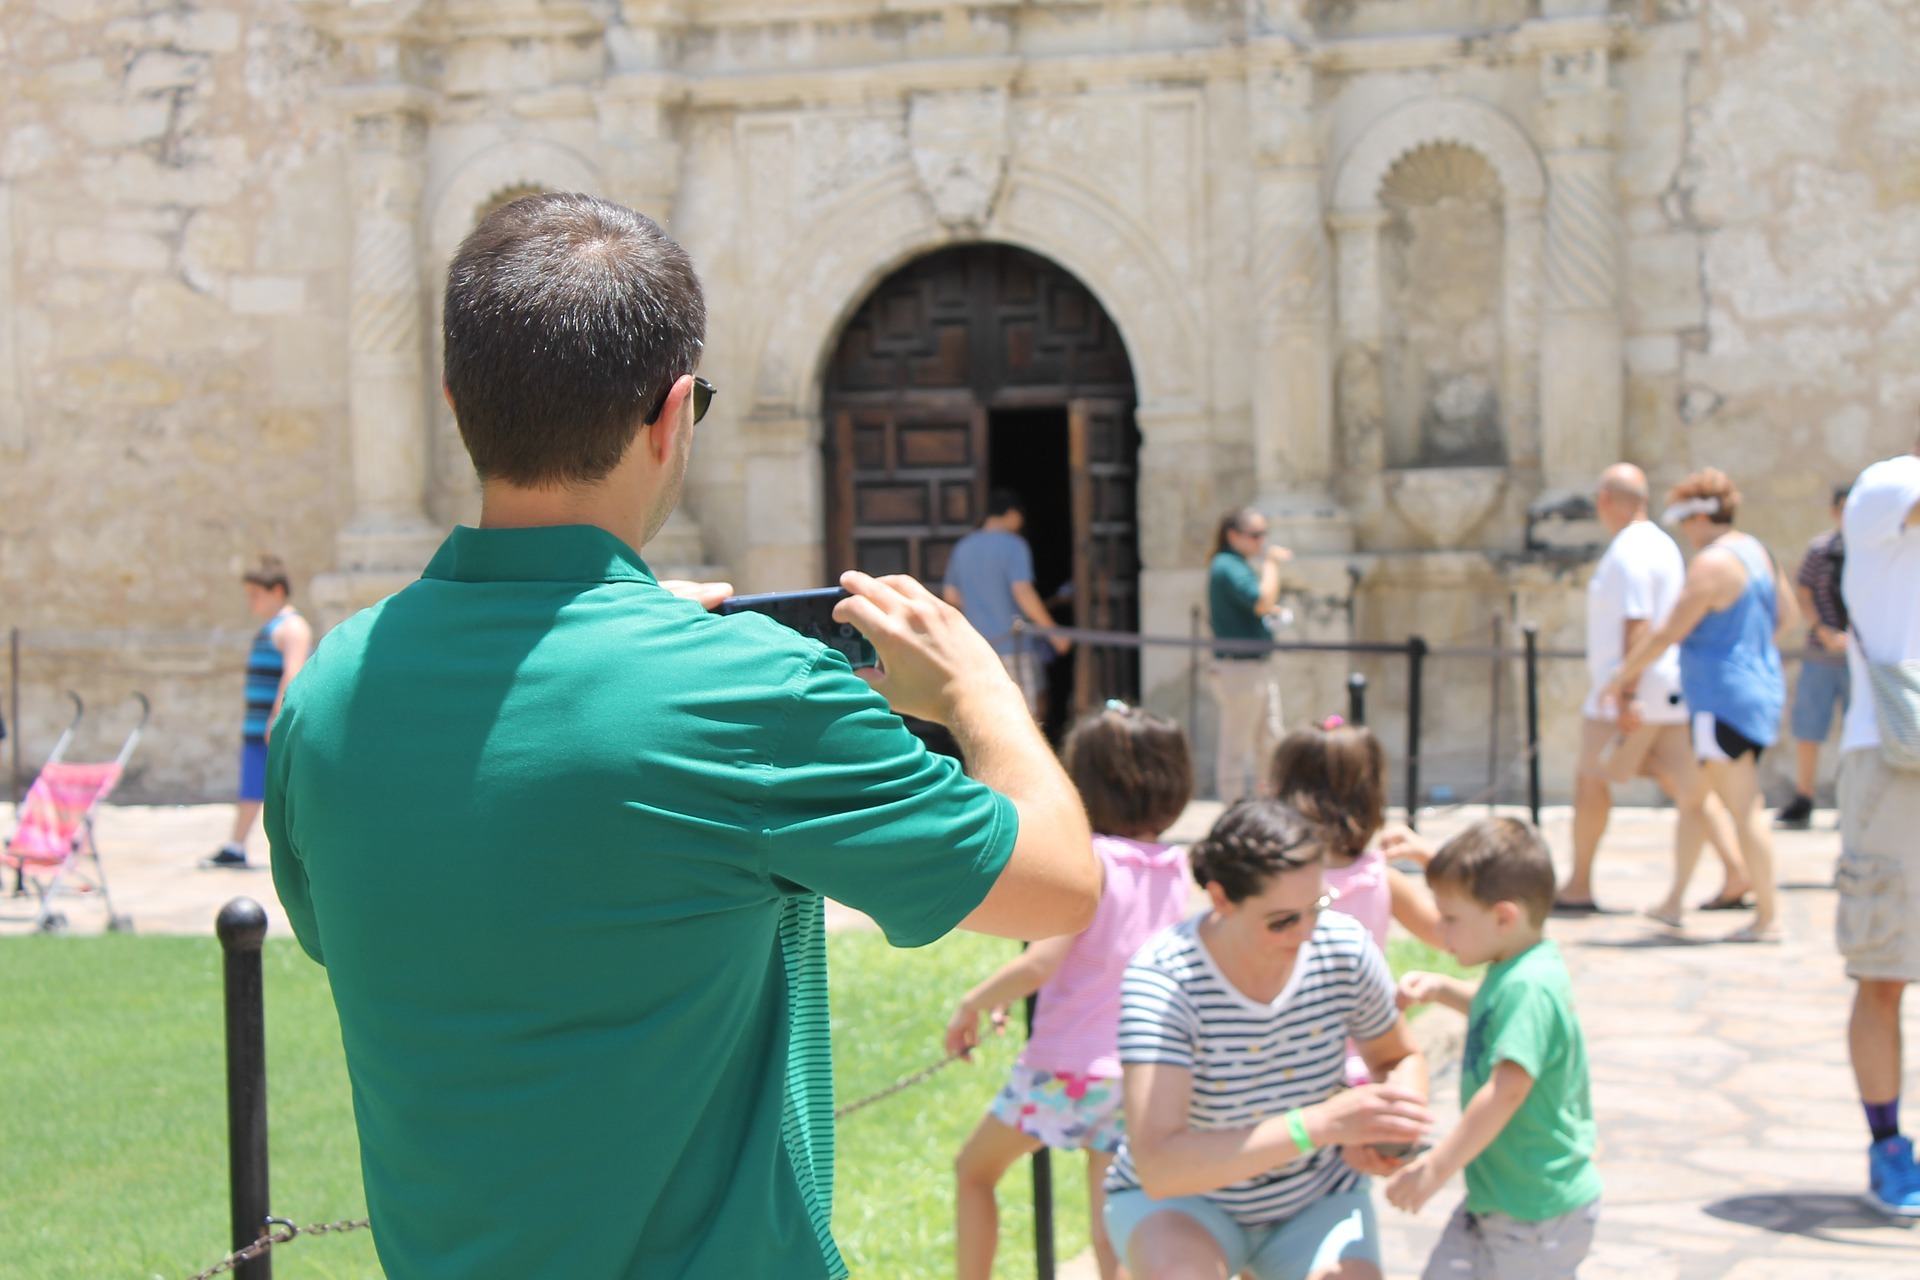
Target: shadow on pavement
1650, 941
1818, 1215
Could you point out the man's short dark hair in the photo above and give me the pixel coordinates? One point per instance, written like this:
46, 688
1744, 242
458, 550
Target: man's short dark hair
1002, 501
1498, 860
1841, 492
568, 319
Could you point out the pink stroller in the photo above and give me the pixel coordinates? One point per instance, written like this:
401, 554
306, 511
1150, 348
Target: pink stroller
54, 828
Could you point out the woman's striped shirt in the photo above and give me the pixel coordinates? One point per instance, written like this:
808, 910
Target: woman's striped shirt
1251, 1060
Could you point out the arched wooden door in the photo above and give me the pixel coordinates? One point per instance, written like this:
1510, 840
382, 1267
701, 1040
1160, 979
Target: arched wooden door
982, 366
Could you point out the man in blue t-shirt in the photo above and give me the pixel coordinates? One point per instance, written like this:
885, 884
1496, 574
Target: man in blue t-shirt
990, 579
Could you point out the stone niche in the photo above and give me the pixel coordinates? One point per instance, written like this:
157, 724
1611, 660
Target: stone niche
1440, 265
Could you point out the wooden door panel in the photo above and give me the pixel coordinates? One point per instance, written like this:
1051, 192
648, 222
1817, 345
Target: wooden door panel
905, 482
1106, 552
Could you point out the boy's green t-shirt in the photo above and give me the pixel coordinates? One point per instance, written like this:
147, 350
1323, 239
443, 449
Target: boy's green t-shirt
1541, 1164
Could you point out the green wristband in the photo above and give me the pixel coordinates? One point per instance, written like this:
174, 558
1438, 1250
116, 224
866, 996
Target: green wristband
1297, 1129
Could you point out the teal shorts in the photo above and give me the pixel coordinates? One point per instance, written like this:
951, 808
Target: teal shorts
1338, 1227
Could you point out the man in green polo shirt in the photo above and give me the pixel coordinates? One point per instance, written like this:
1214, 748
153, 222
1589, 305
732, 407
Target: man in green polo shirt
560, 835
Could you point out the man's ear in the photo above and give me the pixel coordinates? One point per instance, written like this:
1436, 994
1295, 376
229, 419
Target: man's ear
663, 431
446, 393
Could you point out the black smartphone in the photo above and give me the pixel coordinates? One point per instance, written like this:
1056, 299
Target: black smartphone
811, 614
1402, 1150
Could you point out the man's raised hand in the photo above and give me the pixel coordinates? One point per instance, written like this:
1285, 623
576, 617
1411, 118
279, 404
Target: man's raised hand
931, 657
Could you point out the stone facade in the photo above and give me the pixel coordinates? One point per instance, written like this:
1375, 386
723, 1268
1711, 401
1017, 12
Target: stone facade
1392, 270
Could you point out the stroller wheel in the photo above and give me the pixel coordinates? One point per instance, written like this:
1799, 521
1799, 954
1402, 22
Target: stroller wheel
54, 922
120, 924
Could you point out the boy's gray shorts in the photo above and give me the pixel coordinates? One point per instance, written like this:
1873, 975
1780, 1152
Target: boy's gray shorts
1492, 1246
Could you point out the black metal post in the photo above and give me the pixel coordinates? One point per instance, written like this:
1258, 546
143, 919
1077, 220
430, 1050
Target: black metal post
1356, 698
1042, 1190
1193, 676
1496, 668
241, 926
1530, 635
1416, 667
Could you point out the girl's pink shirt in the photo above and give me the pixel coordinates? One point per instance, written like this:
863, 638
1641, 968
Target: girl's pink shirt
1364, 893
1077, 1026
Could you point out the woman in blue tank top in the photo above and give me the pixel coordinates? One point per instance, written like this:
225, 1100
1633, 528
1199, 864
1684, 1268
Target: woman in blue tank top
1733, 606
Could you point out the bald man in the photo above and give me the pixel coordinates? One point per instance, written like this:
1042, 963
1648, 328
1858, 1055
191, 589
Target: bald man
1633, 587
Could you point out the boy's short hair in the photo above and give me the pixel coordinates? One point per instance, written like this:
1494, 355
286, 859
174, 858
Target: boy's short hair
269, 572
1132, 768
1498, 860
1002, 501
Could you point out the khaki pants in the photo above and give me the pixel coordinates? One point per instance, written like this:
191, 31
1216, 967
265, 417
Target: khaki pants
1878, 926
1248, 694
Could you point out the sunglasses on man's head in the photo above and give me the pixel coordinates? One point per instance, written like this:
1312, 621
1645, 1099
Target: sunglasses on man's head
703, 393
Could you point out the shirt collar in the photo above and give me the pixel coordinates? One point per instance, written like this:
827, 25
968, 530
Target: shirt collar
546, 553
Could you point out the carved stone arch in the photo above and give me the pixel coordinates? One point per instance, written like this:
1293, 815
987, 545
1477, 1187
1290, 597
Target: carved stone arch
521, 167
1425, 121
861, 240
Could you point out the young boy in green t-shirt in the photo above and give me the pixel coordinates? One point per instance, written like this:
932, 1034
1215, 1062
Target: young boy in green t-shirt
1526, 1132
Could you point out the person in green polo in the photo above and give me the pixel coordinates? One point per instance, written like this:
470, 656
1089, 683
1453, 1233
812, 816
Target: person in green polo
560, 835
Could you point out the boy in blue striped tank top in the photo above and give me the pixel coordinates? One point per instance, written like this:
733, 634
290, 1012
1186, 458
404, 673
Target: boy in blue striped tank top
280, 646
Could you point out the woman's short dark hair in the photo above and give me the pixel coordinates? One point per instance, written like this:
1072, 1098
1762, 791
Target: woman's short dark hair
568, 319
268, 572
1252, 842
1337, 778
1132, 768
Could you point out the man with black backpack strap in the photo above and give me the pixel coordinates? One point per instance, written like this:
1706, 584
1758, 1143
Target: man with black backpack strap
1822, 686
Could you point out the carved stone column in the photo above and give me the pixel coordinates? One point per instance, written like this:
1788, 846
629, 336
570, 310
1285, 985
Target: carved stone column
1582, 379
1292, 299
386, 366
1361, 396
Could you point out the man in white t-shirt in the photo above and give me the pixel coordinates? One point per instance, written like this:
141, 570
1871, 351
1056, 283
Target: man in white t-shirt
1878, 927
1633, 588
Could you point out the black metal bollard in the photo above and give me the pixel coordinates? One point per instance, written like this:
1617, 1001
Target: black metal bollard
1193, 675
1416, 667
242, 926
1042, 1190
1356, 698
1530, 636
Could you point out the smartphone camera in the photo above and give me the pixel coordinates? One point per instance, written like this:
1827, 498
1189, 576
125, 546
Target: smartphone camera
811, 614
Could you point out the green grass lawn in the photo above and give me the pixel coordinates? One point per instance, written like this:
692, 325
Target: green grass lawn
113, 1142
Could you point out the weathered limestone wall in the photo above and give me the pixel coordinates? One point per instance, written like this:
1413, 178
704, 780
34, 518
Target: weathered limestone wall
227, 223
175, 335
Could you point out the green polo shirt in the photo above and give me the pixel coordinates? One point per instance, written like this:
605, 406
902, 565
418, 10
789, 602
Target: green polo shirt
1233, 588
560, 840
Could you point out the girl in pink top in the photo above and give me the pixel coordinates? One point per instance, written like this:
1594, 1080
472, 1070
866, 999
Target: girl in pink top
1336, 775
1135, 775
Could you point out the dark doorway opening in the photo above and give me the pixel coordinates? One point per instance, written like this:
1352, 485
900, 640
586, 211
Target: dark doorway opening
1027, 453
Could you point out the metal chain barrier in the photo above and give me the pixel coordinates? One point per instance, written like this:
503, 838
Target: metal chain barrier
901, 1085
268, 1239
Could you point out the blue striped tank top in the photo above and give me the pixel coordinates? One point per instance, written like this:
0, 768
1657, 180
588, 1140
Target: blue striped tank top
264, 668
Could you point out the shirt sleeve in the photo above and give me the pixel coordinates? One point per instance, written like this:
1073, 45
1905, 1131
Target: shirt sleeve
856, 808
1156, 1022
1240, 579
1808, 575
1522, 1030
1020, 562
1877, 513
1375, 1010
1636, 590
289, 872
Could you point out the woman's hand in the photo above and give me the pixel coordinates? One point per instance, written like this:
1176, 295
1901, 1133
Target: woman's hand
1368, 1114
1413, 1186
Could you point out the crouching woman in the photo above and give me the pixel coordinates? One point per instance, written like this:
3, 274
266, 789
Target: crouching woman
1244, 1154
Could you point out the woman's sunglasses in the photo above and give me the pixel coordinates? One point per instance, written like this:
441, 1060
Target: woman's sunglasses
703, 393
1293, 919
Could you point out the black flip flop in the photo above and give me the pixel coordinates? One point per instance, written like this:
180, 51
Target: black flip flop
1563, 907
1742, 903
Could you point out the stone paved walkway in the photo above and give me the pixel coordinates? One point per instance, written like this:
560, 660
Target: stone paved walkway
1731, 1142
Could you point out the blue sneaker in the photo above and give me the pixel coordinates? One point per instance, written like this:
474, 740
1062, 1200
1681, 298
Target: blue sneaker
1893, 1180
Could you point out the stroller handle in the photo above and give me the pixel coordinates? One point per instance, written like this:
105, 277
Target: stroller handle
146, 707
79, 710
